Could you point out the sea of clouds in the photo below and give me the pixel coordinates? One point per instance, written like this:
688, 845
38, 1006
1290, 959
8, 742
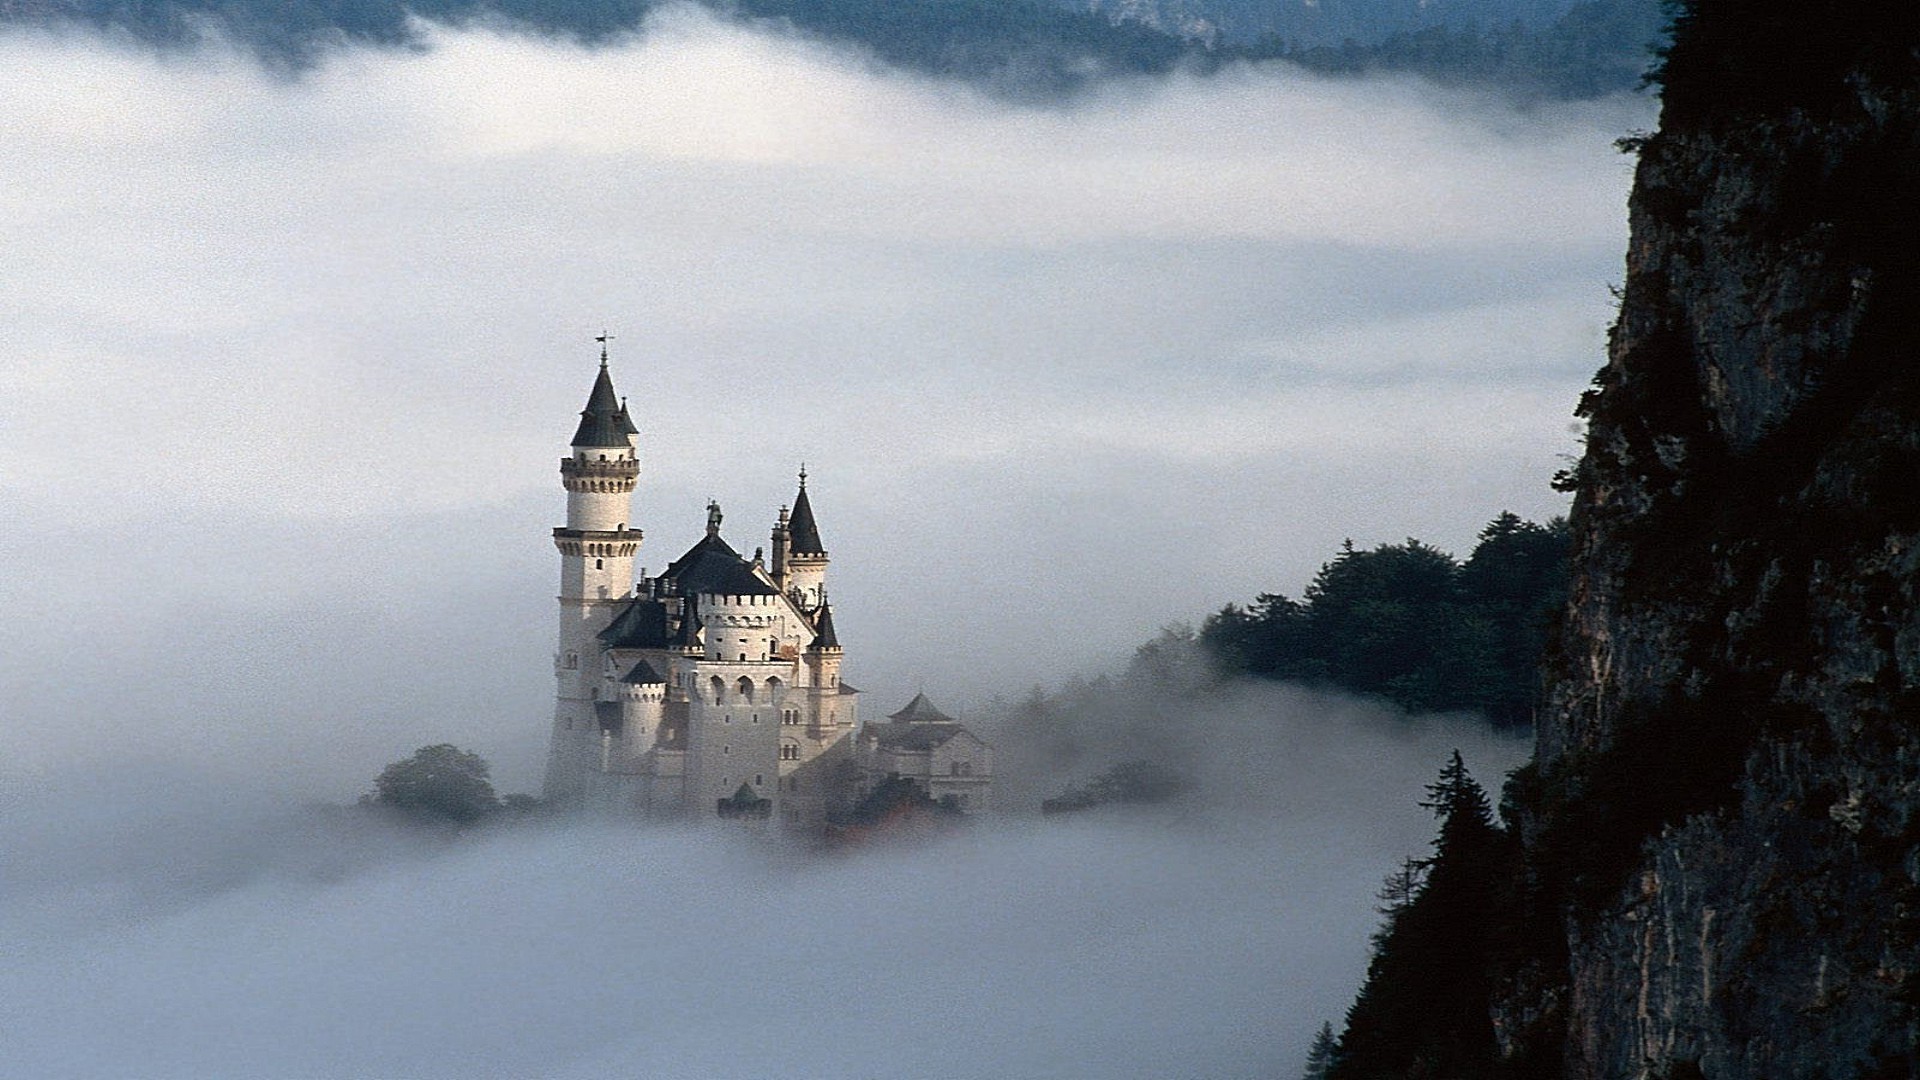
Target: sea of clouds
158, 924
288, 361
286, 364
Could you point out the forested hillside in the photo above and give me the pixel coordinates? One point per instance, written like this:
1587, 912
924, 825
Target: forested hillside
1025, 48
1409, 623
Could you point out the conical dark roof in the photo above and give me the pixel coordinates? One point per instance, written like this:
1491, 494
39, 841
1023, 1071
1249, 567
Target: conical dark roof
922, 711
604, 421
826, 638
800, 526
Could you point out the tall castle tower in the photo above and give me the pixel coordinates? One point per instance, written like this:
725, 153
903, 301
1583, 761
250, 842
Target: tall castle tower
596, 573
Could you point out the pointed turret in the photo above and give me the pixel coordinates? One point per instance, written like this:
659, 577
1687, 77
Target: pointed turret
604, 422
825, 638
804, 568
800, 526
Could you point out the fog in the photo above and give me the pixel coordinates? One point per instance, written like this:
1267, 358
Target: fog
285, 366
160, 925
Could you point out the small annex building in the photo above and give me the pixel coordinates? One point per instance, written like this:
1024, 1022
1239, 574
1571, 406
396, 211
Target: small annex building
953, 765
713, 688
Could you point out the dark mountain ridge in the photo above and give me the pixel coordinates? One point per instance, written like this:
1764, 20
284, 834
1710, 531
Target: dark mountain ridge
1036, 49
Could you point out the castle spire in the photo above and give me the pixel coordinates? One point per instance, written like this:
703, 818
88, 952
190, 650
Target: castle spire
801, 526
604, 422
825, 638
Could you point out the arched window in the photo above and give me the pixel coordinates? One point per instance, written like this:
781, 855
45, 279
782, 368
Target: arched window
775, 689
789, 751
746, 688
719, 689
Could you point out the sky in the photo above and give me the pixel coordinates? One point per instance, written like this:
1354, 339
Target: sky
286, 366
288, 362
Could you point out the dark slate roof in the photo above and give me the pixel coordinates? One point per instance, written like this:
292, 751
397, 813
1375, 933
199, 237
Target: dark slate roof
626, 419
921, 711
712, 566
847, 688
916, 738
825, 638
604, 421
643, 675
642, 624
805, 534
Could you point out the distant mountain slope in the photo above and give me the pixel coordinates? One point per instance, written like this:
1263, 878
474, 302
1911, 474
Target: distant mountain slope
1312, 23
1022, 47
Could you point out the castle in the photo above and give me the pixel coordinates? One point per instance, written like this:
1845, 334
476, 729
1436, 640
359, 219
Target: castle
713, 689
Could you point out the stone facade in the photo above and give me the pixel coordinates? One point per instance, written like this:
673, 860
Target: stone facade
713, 688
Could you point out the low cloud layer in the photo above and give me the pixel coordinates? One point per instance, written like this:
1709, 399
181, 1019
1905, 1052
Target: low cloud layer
287, 363
161, 923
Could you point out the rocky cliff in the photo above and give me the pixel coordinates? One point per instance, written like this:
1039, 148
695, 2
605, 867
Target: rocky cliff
1722, 825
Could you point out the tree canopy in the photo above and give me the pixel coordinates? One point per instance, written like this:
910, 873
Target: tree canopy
438, 783
1409, 623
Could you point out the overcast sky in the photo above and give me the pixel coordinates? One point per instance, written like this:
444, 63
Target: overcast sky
286, 366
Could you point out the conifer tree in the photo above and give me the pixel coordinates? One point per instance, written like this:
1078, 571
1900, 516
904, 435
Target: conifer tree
1321, 1055
1424, 1007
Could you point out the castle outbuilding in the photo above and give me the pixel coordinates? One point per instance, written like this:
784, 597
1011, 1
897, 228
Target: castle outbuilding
713, 689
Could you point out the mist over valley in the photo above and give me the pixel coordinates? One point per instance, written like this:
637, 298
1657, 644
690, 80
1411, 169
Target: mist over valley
290, 361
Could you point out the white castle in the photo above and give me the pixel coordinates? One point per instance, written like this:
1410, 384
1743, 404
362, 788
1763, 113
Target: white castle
713, 689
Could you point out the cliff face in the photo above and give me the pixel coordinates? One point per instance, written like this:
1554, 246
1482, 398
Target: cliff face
1735, 698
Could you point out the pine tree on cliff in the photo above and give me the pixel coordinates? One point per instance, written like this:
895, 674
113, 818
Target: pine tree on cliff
1322, 1054
1424, 1008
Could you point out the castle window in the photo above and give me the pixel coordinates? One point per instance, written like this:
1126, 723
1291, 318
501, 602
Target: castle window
746, 686
725, 749
789, 751
719, 690
599, 564
758, 779
573, 661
